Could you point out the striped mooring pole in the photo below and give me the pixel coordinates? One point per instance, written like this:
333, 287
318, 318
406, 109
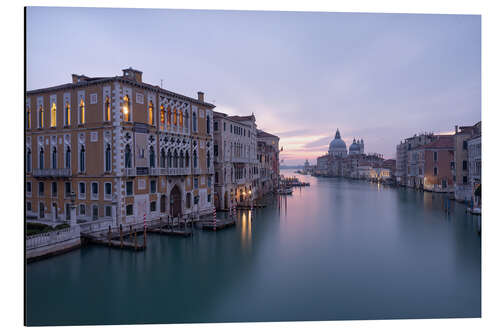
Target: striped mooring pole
215, 219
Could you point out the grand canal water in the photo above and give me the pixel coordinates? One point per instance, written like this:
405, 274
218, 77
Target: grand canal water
338, 249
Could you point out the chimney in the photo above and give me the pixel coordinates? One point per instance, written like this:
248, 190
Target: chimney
201, 96
132, 74
75, 78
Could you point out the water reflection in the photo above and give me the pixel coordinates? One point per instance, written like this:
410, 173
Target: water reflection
338, 249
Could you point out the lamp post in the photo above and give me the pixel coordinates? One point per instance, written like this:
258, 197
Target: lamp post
72, 207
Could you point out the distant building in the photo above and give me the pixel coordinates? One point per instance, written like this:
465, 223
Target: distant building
463, 185
405, 169
432, 165
474, 159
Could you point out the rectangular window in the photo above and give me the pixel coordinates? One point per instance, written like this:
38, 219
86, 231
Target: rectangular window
41, 188
188, 200
152, 206
81, 190
464, 145
224, 126
95, 212
28, 187
82, 209
216, 126
231, 128
216, 150
435, 171
195, 182
28, 206
435, 156
209, 197
95, 190
153, 186
107, 211
107, 190
464, 165
464, 179
54, 189
67, 189
130, 188
130, 210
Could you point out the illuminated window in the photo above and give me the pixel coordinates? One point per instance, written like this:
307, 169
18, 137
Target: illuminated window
162, 116
180, 118
82, 111
40, 117
67, 112
107, 109
169, 116
175, 116
151, 113
126, 108
28, 117
53, 114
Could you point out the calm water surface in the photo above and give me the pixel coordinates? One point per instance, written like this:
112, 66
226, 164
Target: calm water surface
338, 249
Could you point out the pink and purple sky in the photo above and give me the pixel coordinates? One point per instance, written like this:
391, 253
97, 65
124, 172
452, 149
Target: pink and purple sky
380, 77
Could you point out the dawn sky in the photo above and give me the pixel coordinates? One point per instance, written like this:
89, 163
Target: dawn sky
380, 77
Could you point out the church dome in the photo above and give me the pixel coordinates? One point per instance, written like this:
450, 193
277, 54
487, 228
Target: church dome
355, 147
337, 145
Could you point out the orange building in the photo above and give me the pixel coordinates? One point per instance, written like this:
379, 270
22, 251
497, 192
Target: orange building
117, 142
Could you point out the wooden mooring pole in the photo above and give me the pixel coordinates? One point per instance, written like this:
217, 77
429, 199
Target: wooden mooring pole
135, 239
121, 236
109, 235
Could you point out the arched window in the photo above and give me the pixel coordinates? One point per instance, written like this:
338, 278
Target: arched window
187, 160
175, 117
28, 117
208, 124
151, 157
126, 108
82, 111
195, 122
28, 160
151, 113
162, 117
107, 109
181, 160
162, 158
176, 159
68, 158
208, 159
53, 115
40, 117
54, 158
67, 113
195, 159
180, 118
82, 158
128, 157
169, 116
108, 158
169, 158
41, 161
186, 120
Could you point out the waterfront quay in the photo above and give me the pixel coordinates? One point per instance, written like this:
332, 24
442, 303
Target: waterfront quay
337, 249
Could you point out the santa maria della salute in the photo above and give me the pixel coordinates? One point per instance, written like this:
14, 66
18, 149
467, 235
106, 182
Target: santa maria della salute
339, 162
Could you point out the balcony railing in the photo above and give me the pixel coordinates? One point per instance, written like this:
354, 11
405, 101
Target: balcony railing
130, 172
55, 173
178, 171
154, 171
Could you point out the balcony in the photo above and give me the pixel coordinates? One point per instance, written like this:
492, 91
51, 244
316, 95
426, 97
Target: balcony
130, 172
239, 159
52, 173
178, 171
154, 171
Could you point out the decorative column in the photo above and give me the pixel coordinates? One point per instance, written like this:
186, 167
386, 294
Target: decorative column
114, 205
